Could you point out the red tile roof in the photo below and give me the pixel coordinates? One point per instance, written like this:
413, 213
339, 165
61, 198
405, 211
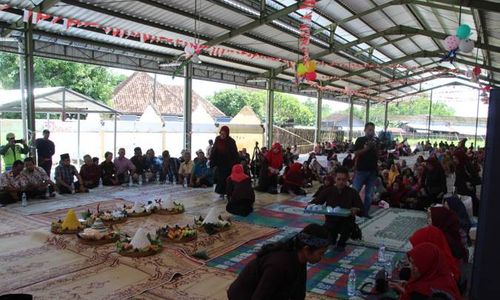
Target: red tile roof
134, 94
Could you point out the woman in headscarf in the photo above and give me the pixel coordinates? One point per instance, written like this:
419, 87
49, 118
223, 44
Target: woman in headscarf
240, 195
393, 174
223, 157
447, 221
268, 179
432, 234
434, 181
429, 273
293, 180
463, 178
456, 205
279, 271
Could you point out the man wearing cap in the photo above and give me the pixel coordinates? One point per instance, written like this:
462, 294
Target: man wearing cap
65, 174
45, 149
12, 151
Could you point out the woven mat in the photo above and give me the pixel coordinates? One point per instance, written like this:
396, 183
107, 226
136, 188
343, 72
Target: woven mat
392, 227
11, 222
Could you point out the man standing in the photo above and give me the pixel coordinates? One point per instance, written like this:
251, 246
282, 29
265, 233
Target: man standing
124, 167
209, 147
45, 149
65, 175
37, 180
12, 184
345, 197
366, 157
12, 152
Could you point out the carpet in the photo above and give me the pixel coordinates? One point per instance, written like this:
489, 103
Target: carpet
277, 217
111, 280
27, 258
11, 222
204, 283
392, 227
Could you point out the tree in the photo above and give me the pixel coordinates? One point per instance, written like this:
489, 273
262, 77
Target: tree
419, 106
231, 101
286, 107
94, 81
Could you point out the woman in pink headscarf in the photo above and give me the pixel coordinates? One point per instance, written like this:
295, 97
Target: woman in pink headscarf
240, 195
223, 156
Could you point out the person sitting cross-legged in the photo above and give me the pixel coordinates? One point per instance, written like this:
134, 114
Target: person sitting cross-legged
12, 184
37, 180
293, 180
65, 176
90, 173
186, 168
108, 170
125, 169
342, 196
201, 174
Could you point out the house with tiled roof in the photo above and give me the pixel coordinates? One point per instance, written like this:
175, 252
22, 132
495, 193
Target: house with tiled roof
134, 94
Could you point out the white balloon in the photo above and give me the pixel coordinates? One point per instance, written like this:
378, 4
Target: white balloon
466, 45
189, 50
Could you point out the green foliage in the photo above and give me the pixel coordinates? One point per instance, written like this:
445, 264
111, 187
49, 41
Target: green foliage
286, 107
419, 106
94, 81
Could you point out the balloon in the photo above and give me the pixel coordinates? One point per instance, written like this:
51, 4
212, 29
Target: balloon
311, 66
189, 50
301, 69
463, 31
311, 76
476, 70
487, 88
466, 46
451, 42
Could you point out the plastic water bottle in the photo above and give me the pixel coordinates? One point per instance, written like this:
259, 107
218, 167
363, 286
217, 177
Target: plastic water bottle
100, 182
351, 283
73, 188
24, 200
381, 253
140, 179
47, 192
158, 177
185, 184
388, 268
130, 181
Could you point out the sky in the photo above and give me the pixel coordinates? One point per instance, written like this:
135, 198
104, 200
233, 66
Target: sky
462, 99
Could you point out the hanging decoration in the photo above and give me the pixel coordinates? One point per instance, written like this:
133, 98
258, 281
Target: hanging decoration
458, 42
306, 69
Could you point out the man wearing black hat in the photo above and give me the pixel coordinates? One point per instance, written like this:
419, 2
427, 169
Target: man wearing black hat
65, 174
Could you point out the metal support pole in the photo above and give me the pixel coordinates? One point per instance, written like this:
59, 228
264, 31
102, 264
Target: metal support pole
386, 112
367, 111
351, 116
30, 97
21, 87
269, 113
188, 105
78, 140
430, 116
63, 116
319, 105
477, 118
114, 135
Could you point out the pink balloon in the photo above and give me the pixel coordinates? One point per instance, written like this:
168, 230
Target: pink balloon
451, 42
311, 76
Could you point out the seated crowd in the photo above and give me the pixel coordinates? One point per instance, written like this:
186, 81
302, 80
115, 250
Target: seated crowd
34, 181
